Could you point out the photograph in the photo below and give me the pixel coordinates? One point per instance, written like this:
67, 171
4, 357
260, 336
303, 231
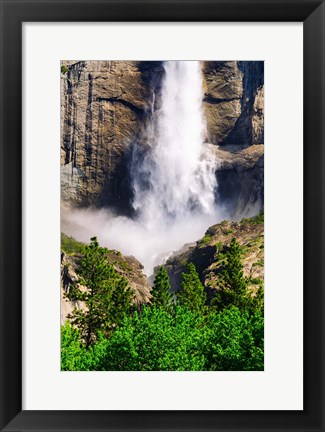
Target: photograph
162, 215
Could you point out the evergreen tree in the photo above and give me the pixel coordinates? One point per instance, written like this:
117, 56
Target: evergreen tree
192, 293
122, 299
258, 300
102, 290
232, 284
160, 291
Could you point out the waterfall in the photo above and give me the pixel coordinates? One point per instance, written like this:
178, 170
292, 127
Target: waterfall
175, 178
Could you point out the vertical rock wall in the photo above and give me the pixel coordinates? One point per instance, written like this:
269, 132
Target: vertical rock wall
234, 102
106, 105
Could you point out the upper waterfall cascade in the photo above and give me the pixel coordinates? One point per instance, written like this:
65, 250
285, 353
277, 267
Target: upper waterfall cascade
176, 176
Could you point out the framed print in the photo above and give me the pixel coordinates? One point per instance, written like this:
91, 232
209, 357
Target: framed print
164, 141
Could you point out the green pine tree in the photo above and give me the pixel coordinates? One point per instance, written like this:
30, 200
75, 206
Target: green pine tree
192, 293
122, 300
258, 300
232, 284
160, 291
102, 290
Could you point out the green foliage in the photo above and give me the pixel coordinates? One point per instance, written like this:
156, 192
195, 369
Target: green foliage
121, 300
205, 239
108, 334
219, 248
256, 281
103, 291
123, 265
161, 287
232, 285
71, 246
257, 301
183, 262
155, 340
192, 293
234, 341
259, 263
74, 354
64, 69
255, 220
228, 231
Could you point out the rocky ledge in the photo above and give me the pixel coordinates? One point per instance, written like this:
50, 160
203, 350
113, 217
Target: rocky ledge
126, 266
204, 253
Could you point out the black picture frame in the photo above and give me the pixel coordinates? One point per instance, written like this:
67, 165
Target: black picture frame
13, 14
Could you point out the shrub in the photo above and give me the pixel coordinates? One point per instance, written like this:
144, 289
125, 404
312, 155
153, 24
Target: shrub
64, 69
204, 240
71, 246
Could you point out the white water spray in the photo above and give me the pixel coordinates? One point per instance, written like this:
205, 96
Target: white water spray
174, 179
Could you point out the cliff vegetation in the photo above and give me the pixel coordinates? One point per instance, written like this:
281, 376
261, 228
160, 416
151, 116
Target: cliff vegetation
204, 310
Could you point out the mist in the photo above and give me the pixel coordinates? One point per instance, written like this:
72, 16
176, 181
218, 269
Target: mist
150, 246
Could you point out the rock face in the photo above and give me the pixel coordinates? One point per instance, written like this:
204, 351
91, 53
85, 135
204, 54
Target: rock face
222, 101
104, 105
68, 277
234, 102
240, 178
204, 254
105, 110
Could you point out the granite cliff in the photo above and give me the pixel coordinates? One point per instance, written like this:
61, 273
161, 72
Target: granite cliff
106, 107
